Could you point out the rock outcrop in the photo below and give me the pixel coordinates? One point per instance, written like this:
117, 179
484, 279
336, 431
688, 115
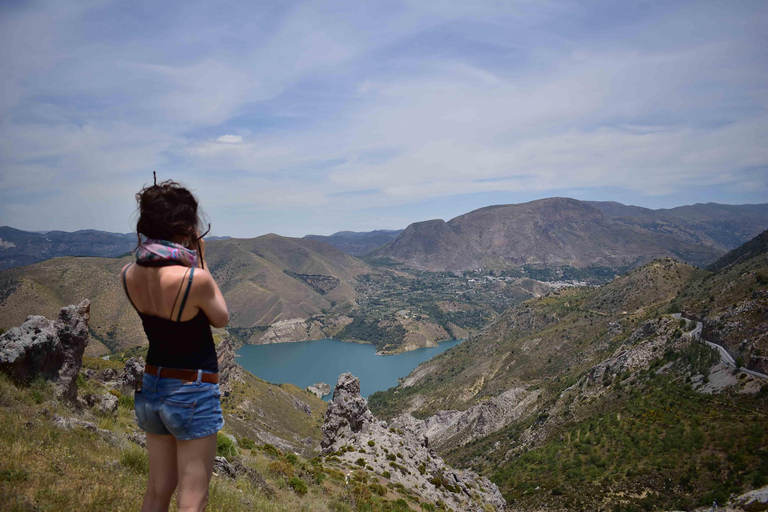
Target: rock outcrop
355, 436
319, 389
132, 373
449, 429
49, 349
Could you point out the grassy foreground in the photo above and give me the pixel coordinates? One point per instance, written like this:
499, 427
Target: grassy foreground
48, 468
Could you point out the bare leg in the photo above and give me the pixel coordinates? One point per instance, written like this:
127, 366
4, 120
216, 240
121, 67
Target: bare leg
195, 466
162, 473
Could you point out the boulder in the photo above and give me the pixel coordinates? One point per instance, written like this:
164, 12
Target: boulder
49, 349
105, 404
132, 373
319, 389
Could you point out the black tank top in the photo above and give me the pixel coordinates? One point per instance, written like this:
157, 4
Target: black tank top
175, 344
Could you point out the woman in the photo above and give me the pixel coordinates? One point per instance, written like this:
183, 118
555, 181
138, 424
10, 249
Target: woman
178, 301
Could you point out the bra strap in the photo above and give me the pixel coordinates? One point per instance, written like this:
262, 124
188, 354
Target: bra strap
186, 293
181, 283
125, 287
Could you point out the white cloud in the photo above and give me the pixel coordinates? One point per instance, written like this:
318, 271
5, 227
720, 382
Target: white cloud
230, 139
283, 109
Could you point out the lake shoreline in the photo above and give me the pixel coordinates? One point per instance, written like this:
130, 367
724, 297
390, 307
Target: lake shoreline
307, 362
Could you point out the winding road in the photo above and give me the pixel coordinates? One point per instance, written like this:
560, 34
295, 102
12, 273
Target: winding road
725, 357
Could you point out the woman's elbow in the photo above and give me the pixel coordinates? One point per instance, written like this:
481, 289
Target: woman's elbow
220, 320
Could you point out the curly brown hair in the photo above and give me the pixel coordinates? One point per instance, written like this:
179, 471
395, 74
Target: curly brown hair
166, 211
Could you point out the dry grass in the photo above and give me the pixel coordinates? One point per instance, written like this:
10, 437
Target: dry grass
46, 468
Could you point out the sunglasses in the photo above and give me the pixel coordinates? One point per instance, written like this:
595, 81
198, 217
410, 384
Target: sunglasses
206, 232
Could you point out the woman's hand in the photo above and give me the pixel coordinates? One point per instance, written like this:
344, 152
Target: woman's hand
201, 252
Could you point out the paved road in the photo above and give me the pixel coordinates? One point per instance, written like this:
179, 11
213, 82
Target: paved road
725, 357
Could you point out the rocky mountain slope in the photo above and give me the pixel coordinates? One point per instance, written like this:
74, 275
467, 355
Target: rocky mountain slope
732, 303
597, 399
353, 435
566, 232
358, 243
724, 226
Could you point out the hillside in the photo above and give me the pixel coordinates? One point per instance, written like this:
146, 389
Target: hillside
593, 399
566, 232
358, 243
732, 302
553, 336
751, 249
264, 280
279, 290
724, 226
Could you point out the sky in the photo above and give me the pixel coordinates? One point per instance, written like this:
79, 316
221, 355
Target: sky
315, 117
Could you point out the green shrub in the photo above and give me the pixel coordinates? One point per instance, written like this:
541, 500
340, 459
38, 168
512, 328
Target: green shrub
281, 467
225, 447
246, 443
292, 458
386, 474
379, 489
271, 450
298, 485
371, 443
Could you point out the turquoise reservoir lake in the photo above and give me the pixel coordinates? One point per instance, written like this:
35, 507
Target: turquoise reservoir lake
305, 362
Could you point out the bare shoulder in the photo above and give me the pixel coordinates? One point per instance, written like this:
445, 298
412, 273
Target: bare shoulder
203, 279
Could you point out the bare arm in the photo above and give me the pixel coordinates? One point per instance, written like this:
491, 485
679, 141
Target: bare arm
207, 295
209, 298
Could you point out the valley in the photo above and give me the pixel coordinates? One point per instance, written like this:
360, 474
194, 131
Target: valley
582, 382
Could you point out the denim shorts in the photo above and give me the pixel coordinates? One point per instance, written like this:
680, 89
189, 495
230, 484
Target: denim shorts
186, 410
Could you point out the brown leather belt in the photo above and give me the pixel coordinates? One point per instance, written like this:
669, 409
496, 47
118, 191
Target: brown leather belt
173, 373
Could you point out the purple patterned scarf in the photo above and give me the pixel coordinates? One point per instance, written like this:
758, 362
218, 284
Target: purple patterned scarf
155, 253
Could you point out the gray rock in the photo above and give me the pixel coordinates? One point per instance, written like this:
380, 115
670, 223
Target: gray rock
352, 434
347, 412
234, 468
302, 406
133, 372
319, 389
74, 423
107, 375
139, 438
49, 349
105, 404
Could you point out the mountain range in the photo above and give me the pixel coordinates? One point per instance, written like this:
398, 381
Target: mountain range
358, 243
291, 289
567, 232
